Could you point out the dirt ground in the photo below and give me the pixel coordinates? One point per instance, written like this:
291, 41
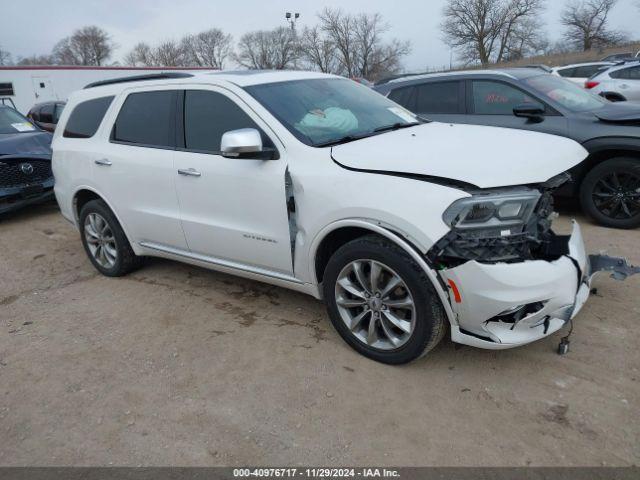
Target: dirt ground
176, 365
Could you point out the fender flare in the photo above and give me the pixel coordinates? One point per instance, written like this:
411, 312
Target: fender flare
376, 227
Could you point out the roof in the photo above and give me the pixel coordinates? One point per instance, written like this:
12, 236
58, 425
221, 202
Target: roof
515, 73
245, 78
241, 78
584, 64
447, 74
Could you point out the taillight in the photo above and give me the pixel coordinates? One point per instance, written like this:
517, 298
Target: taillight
590, 84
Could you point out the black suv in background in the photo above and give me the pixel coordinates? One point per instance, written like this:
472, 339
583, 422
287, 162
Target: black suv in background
46, 115
25, 162
607, 182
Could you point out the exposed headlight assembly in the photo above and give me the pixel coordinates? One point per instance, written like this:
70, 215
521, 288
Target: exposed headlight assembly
492, 210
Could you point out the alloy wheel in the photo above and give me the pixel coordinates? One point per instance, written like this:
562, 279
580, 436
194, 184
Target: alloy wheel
617, 195
375, 304
100, 240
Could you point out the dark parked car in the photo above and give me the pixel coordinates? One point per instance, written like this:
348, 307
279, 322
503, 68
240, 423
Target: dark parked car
25, 162
46, 115
607, 182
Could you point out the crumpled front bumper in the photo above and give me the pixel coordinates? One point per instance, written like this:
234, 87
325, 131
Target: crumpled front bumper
482, 295
13, 198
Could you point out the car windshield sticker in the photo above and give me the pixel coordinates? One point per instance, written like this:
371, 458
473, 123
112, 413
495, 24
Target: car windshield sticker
23, 127
403, 114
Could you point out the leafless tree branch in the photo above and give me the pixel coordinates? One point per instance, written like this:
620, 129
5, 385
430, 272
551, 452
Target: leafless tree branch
484, 30
87, 46
586, 24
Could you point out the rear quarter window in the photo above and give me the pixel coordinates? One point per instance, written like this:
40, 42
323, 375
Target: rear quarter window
86, 118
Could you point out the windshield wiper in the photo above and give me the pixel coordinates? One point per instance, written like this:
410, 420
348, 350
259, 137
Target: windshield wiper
351, 138
396, 126
345, 139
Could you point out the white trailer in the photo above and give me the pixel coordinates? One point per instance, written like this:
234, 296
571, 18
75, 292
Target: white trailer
23, 87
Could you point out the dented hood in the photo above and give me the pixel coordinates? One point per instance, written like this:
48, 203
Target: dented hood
482, 156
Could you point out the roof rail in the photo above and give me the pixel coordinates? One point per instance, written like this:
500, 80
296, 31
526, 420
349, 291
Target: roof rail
140, 78
384, 80
624, 61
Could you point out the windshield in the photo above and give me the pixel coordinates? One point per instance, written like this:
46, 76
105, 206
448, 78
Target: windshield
327, 111
12, 122
566, 93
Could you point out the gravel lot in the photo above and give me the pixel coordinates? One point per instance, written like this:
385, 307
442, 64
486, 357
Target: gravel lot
176, 365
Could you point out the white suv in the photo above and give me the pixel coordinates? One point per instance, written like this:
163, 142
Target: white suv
319, 184
618, 83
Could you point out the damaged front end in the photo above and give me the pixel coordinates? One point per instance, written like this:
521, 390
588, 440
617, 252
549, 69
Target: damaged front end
501, 225
511, 279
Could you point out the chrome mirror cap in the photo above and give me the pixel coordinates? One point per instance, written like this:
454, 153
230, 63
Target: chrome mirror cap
244, 140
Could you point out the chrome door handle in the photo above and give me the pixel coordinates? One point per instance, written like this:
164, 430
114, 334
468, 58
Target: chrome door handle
189, 172
104, 162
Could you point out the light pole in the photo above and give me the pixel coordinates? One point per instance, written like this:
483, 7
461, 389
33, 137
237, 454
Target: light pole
292, 19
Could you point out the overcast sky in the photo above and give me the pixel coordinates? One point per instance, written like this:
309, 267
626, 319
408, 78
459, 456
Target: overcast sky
33, 27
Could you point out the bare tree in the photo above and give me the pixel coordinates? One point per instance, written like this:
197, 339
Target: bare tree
359, 49
5, 57
140, 56
526, 40
268, 49
318, 51
586, 24
210, 48
482, 30
87, 46
36, 60
170, 54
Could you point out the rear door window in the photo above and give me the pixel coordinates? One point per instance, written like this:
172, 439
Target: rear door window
634, 73
86, 118
147, 119
496, 98
439, 97
586, 71
622, 73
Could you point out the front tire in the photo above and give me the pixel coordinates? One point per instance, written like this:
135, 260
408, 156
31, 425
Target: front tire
381, 302
610, 193
105, 242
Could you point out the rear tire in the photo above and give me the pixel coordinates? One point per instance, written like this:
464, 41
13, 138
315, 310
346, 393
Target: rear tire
104, 241
610, 193
401, 332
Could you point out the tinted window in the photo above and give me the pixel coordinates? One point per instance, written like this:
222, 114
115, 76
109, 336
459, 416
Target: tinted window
405, 96
586, 71
438, 97
58, 112
634, 73
566, 72
147, 119
623, 73
86, 117
207, 116
496, 98
46, 114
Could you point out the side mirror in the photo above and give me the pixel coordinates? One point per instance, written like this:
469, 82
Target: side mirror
531, 111
237, 143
